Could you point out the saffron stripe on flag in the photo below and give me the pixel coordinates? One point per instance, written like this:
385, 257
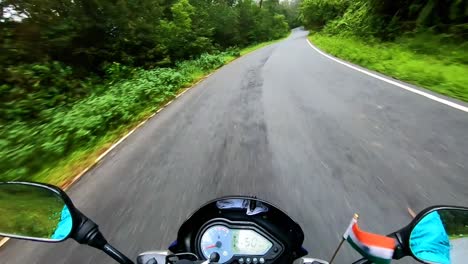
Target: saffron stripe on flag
375, 251
372, 239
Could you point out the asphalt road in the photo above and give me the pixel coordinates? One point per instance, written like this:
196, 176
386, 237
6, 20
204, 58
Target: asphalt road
286, 124
459, 251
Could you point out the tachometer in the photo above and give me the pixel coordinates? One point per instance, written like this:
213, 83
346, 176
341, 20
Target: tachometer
218, 239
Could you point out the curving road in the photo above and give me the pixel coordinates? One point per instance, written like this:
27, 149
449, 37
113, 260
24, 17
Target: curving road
286, 124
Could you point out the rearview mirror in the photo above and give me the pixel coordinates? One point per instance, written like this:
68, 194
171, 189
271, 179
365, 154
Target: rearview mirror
35, 211
42, 212
440, 236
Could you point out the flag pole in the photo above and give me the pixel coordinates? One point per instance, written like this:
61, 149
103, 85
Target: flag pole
343, 238
336, 251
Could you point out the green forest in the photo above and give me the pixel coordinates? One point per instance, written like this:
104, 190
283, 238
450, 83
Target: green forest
77, 74
424, 42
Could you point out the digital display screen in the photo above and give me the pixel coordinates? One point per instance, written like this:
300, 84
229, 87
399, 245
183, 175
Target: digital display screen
249, 242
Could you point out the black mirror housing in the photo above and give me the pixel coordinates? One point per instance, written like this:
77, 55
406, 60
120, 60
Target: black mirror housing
403, 236
39, 200
83, 229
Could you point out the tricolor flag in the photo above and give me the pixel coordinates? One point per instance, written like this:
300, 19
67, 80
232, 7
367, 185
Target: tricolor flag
376, 248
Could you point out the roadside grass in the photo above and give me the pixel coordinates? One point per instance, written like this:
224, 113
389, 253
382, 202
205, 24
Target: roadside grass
439, 67
62, 173
63, 170
27, 148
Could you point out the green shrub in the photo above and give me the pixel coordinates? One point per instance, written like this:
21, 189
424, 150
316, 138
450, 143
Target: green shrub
317, 13
207, 61
117, 71
358, 20
29, 89
233, 51
25, 147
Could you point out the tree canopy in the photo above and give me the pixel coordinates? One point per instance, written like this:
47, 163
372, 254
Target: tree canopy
138, 32
53, 51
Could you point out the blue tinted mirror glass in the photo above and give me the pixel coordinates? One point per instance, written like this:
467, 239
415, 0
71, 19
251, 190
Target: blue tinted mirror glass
441, 237
33, 212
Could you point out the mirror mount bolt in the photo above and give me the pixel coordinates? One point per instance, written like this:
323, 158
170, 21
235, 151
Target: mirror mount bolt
88, 233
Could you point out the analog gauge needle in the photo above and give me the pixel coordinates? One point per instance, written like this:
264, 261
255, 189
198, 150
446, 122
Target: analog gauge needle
212, 246
217, 245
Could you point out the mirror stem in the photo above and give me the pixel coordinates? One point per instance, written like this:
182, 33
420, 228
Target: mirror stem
116, 255
399, 252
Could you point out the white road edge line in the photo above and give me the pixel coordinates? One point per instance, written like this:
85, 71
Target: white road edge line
115, 145
3, 241
168, 103
416, 91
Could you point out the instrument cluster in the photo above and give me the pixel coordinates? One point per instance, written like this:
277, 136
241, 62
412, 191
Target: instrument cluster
246, 244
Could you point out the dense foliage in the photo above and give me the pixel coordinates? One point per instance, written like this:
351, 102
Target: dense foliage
141, 32
74, 70
387, 19
25, 147
52, 52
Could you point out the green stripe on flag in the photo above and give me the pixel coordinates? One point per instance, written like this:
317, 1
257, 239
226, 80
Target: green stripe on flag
365, 254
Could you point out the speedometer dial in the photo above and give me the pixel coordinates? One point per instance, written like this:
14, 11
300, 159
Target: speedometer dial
218, 239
